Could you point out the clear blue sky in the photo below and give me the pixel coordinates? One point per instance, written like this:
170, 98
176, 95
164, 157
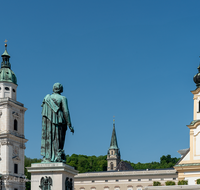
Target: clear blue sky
132, 59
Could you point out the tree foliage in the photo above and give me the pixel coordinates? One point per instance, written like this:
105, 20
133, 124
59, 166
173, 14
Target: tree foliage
198, 181
165, 162
167, 183
84, 163
183, 182
156, 183
27, 163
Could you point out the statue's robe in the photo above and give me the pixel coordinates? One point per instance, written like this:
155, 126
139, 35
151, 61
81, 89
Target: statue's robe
55, 118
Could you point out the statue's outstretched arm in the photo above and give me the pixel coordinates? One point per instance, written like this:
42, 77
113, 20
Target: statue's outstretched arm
66, 113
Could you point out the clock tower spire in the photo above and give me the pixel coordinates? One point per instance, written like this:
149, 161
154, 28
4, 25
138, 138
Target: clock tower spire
113, 156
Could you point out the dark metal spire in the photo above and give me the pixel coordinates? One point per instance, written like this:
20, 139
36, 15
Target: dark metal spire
113, 143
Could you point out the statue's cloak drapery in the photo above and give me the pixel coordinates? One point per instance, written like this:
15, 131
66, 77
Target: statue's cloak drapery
55, 118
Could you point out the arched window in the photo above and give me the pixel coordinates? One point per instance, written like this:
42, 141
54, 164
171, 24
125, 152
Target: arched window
111, 166
15, 125
111, 152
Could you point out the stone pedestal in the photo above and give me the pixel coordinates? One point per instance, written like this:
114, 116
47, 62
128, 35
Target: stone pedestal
52, 176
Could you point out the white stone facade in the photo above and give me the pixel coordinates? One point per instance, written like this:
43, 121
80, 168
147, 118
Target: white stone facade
12, 140
58, 172
189, 166
123, 180
113, 159
8, 89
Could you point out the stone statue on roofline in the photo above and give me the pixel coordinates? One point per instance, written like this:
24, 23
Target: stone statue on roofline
55, 119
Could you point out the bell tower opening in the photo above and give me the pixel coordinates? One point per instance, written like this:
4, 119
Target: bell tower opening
15, 125
111, 166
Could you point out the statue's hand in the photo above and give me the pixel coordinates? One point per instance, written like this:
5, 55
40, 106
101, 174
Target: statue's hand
72, 129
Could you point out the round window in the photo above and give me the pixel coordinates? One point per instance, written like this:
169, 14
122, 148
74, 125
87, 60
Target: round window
6, 88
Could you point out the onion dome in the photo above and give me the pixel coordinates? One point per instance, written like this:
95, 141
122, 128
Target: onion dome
6, 74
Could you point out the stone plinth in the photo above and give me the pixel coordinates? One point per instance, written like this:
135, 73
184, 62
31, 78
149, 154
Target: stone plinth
55, 175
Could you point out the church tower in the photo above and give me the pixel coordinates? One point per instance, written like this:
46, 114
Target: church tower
189, 165
12, 140
113, 156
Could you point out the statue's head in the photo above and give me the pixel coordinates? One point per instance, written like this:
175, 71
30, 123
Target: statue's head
57, 88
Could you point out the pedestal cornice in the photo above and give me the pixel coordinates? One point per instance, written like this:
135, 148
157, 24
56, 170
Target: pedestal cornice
53, 167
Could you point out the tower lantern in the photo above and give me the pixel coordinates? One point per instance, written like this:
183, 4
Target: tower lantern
8, 80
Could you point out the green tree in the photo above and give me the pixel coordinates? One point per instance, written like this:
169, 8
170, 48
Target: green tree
167, 183
27, 163
84, 163
156, 183
165, 162
183, 182
198, 181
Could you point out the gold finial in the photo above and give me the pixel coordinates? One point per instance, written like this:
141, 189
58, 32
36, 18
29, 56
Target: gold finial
113, 119
6, 43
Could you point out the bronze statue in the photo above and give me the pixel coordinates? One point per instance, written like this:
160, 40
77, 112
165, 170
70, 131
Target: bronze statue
55, 119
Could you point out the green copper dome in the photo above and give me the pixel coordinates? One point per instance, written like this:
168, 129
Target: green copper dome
6, 74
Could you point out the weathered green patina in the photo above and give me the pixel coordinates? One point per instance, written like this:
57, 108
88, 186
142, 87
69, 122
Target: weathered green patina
194, 121
68, 184
113, 143
55, 119
45, 183
192, 164
6, 74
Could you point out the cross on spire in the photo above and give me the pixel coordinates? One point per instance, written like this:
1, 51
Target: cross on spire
6, 43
